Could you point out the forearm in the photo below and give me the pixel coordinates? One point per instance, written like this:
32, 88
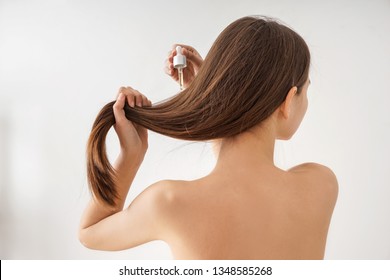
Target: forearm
126, 169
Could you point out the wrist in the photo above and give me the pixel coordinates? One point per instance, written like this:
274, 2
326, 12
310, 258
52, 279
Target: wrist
133, 160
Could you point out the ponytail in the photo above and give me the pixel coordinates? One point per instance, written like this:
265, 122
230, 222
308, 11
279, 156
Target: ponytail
100, 173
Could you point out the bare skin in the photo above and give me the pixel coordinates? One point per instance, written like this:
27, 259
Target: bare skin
246, 208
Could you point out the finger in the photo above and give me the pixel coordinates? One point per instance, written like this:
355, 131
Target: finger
192, 50
168, 61
167, 71
125, 90
130, 99
184, 46
138, 98
171, 54
145, 101
170, 71
118, 106
129, 96
175, 75
187, 51
193, 56
134, 96
168, 68
121, 89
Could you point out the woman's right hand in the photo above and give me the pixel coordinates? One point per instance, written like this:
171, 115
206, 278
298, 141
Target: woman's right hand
194, 62
133, 138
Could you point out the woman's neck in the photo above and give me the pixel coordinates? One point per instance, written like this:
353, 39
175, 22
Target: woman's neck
251, 148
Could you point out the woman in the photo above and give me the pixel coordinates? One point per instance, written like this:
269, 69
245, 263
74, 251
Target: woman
250, 90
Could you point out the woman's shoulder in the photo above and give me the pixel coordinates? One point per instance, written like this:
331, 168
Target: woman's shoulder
318, 182
318, 173
166, 194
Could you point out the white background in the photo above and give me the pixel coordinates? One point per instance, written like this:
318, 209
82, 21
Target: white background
61, 61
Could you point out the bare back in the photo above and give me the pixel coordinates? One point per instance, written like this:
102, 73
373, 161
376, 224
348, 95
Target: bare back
246, 208
263, 214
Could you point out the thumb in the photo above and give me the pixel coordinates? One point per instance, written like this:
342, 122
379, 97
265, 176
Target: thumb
118, 106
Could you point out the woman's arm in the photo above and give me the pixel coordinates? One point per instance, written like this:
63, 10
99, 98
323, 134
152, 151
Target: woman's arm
97, 211
112, 228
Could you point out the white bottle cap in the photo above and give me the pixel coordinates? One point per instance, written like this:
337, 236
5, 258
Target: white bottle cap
179, 60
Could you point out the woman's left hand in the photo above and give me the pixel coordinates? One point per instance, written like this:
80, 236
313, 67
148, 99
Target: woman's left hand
133, 138
194, 62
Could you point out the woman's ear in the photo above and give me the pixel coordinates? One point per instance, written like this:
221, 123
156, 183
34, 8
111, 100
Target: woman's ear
285, 107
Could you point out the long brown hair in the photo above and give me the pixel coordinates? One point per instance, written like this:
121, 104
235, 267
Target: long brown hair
244, 78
